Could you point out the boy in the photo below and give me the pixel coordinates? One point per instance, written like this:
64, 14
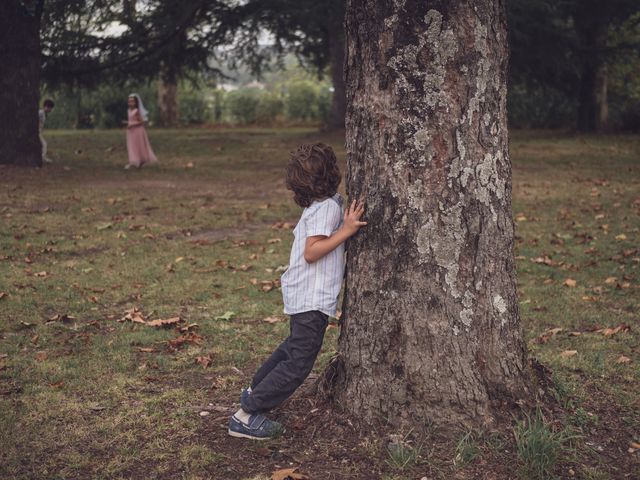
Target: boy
310, 287
47, 106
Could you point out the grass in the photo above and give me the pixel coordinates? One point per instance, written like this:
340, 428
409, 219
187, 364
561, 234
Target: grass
87, 396
539, 446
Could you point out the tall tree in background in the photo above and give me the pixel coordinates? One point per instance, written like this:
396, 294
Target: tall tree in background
431, 326
569, 45
19, 82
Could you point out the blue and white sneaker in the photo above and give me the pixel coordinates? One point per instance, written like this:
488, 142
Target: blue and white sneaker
259, 427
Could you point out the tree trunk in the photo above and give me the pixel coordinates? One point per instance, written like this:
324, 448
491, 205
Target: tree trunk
336, 52
593, 110
431, 328
167, 96
19, 84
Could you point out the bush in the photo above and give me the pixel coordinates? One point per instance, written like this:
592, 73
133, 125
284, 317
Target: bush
301, 100
268, 108
193, 108
242, 104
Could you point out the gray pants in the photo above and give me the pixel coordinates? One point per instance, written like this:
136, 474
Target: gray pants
285, 370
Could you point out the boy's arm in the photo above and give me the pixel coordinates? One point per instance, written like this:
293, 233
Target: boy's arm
318, 246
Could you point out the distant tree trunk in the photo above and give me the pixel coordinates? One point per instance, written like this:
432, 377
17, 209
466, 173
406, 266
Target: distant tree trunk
336, 52
593, 108
167, 96
431, 326
19, 83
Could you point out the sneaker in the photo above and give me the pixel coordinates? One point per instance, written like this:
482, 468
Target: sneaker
258, 428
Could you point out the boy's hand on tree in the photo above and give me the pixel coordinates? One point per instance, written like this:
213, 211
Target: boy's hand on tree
352, 217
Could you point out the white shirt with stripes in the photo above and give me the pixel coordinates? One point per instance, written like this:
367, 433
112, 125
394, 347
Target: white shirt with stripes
315, 286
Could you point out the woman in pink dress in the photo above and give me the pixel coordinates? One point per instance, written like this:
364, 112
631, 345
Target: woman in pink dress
138, 146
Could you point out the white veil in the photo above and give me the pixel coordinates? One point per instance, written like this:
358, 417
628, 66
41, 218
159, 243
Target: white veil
143, 111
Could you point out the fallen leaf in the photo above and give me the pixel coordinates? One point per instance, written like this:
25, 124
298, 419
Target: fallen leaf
187, 338
3, 295
146, 349
61, 318
570, 282
273, 319
205, 360
544, 260
568, 353
274, 240
610, 280
622, 236
288, 474
104, 226
189, 328
164, 322
57, 384
225, 316
623, 359
41, 274
608, 332
41, 356
133, 315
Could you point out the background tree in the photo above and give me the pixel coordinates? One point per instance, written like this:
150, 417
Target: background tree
431, 327
570, 46
19, 82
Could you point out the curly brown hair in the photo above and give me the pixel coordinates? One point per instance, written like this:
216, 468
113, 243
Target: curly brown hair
313, 173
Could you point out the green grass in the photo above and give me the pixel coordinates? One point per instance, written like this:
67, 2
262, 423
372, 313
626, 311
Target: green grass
196, 235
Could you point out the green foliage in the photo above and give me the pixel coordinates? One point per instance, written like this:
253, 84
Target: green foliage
269, 107
193, 107
403, 454
242, 105
539, 446
467, 450
302, 100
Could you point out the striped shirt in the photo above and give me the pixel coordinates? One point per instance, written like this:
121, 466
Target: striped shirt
315, 286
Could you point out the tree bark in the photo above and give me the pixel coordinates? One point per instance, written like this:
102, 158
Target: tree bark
336, 53
19, 83
431, 328
167, 96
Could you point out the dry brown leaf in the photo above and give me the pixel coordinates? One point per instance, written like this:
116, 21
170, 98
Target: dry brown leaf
3, 295
570, 282
146, 349
610, 280
608, 332
205, 360
273, 319
61, 318
544, 261
41, 356
41, 274
133, 315
635, 445
622, 236
274, 240
189, 328
568, 353
187, 338
164, 322
288, 474
623, 359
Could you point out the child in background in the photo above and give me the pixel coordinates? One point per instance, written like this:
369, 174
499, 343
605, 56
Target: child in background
138, 146
47, 106
310, 287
